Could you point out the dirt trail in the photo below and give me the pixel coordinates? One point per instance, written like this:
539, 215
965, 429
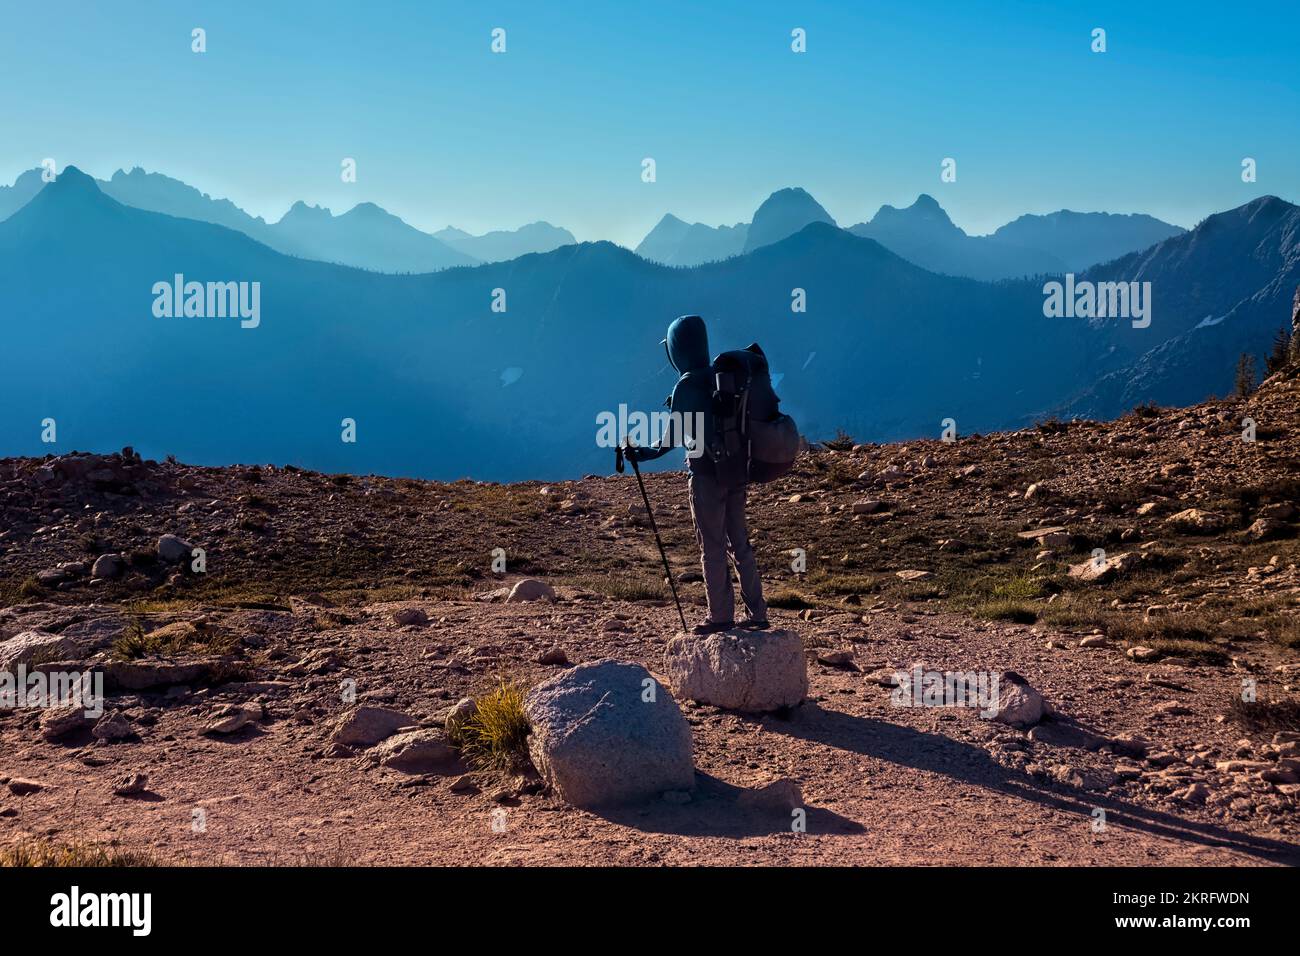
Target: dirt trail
881, 784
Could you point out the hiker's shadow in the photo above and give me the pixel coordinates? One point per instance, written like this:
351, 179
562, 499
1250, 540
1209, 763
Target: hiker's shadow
937, 753
720, 809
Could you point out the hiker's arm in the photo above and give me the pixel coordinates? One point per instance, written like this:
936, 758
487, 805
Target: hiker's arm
665, 444
647, 454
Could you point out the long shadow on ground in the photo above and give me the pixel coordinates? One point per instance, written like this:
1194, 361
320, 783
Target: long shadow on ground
720, 809
937, 753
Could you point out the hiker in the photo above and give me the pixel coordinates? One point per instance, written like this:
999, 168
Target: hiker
717, 488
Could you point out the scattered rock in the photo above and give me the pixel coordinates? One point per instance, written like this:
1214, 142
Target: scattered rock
408, 616
131, 785
417, 752
1141, 653
173, 549
1265, 529
113, 727
21, 786
108, 566
1196, 521
531, 589
913, 575
1102, 570
33, 645
232, 718
58, 722
606, 732
1019, 704
555, 657
367, 726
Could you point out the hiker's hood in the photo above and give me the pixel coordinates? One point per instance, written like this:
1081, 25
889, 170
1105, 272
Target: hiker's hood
688, 344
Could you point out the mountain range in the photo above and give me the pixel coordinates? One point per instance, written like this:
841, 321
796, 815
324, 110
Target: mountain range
369, 237
366, 236
439, 384
922, 234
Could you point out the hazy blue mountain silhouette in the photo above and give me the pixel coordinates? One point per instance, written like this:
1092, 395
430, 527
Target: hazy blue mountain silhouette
367, 236
1248, 261
782, 214
159, 193
502, 244
674, 242
922, 233
442, 386
1082, 239
13, 198
1031, 245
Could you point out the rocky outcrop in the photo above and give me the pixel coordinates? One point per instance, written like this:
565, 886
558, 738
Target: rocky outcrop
607, 733
753, 671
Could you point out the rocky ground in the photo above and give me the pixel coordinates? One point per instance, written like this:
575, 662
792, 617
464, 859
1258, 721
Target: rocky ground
1141, 574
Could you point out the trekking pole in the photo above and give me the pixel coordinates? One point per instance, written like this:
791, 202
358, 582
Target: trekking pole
618, 464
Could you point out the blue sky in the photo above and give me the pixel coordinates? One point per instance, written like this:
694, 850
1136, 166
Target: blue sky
444, 131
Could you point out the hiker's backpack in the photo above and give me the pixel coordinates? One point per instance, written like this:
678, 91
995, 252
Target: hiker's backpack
752, 440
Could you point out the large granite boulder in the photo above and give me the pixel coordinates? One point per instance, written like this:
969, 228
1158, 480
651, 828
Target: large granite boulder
752, 671
606, 733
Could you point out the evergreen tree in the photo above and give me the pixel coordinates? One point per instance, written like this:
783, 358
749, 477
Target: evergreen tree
1280, 357
1245, 374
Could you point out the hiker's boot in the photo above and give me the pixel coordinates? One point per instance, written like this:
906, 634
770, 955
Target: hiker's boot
750, 624
712, 627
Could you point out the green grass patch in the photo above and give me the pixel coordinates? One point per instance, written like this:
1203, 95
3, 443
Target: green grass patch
496, 736
180, 637
33, 852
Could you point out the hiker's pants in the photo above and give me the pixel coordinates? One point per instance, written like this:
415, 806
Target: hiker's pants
719, 515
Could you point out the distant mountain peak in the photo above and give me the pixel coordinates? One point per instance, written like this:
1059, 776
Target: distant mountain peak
300, 211
925, 209
782, 214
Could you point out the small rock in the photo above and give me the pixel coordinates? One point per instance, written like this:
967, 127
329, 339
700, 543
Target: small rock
131, 785
831, 658
232, 718
367, 726
57, 722
417, 752
173, 549
113, 727
555, 657
108, 566
408, 616
531, 589
1019, 704
1196, 521
21, 786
